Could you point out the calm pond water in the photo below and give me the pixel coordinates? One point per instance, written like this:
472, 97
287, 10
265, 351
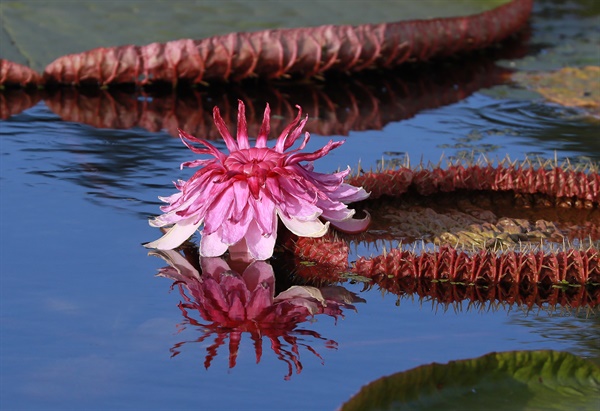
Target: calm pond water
87, 325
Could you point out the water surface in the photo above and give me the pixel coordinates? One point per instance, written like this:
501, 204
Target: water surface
86, 325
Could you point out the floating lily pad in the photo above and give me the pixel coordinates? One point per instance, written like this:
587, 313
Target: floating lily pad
570, 86
35, 33
518, 380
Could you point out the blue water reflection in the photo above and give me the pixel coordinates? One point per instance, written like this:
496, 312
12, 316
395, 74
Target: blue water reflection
85, 326
226, 300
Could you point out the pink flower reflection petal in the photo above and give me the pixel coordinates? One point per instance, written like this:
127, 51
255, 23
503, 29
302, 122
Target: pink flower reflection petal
233, 298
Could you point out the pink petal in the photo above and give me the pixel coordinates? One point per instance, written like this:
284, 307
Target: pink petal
290, 133
260, 299
240, 195
263, 134
298, 157
222, 127
234, 231
196, 163
258, 273
210, 149
254, 186
237, 308
303, 144
173, 197
260, 247
314, 228
213, 292
219, 212
347, 193
327, 182
296, 132
274, 189
242, 127
213, 266
301, 210
298, 189
175, 236
198, 196
264, 214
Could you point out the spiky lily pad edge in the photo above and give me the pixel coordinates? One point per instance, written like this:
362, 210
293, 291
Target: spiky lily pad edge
572, 186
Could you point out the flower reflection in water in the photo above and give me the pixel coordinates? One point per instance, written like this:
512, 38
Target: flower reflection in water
235, 297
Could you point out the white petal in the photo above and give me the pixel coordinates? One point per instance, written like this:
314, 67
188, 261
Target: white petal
175, 236
337, 212
298, 291
178, 262
162, 220
353, 225
340, 295
212, 245
260, 247
314, 228
308, 297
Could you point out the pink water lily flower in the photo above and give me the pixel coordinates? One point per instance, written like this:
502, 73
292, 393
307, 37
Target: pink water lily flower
238, 198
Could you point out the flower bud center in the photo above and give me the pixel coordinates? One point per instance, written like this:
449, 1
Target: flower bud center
253, 162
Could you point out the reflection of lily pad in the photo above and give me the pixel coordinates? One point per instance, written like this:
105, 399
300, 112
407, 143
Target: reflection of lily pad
570, 86
519, 380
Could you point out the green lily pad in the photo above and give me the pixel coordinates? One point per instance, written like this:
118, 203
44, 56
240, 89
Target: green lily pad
569, 86
518, 380
35, 33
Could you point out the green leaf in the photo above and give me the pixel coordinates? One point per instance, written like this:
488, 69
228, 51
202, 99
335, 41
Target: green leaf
35, 33
517, 380
569, 86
